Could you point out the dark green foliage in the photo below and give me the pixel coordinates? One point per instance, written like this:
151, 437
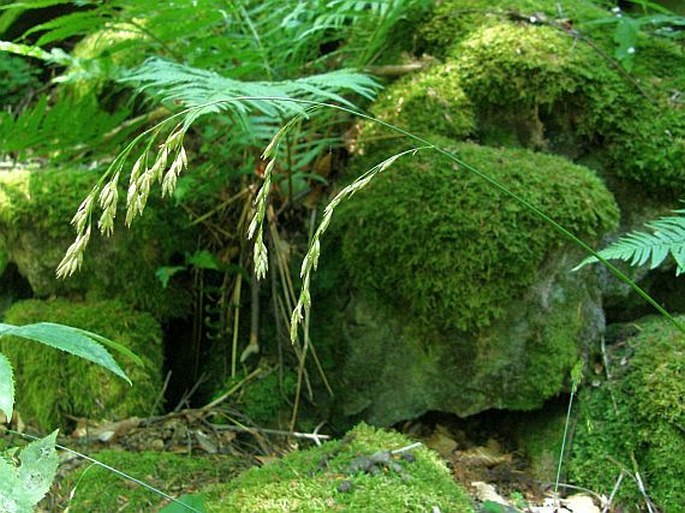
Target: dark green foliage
17, 78
639, 413
439, 242
51, 385
71, 127
307, 481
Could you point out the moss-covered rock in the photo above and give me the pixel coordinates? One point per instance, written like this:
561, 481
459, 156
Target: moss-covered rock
635, 421
35, 209
459, 299
98, 490
548, 82
454, 20
441, 242
427, 103
328, 478
52, 385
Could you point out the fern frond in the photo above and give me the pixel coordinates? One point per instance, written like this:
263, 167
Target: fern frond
59, 130
640, 248
208, 92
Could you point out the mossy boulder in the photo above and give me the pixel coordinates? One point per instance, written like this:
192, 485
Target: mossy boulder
52, 386
447, 295
427, 103
636, 420
36, 206
331, 478
543, 81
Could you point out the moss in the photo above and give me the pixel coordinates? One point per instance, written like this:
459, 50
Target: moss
263, 400
51, 385
454, 20
539, 435
35, 209
307, 481
640, 415
428, 103
451, 249
537, 85
98, 490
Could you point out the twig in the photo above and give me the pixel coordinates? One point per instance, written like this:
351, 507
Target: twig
641, 487
606, 507
231, 391
297, 434
160, 396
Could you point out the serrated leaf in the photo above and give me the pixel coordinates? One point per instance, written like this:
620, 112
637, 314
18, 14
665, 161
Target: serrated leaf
13, 498
6, 387
68, 339
38, 467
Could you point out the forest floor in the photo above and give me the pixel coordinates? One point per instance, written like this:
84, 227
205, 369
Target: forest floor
486, 463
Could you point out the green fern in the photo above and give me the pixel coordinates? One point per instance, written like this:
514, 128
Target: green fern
640, 248
64, 129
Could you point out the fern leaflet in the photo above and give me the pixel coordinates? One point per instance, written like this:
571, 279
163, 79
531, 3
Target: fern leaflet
640, 248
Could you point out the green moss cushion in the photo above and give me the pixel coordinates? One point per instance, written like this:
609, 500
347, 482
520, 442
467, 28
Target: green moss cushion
311, 481
636, 420
97, 490
534, 82
442, 243
52, 386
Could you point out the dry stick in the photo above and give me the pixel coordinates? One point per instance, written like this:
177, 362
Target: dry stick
607, 371
297, 434
641, 487
231, 391
236, 321
277, 318
160, 396
300, 372
225, 204
607, 505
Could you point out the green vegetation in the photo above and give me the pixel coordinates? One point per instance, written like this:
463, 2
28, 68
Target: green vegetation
537, 83
50, 385
97, 490
449, 292
309, 481
634, 422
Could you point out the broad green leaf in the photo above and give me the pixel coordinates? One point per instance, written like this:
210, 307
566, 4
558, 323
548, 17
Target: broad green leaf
165, 273
6, 387
68, 339
203, 259
196, 502
13, 497
110, 343
39, 463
